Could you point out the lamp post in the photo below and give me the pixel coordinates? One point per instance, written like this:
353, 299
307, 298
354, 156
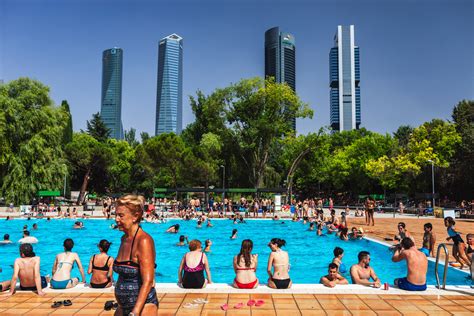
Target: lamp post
432, 182
65, 178
223, 188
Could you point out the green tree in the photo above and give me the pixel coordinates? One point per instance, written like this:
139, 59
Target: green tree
120, 167
31, 138
259, 114
144, 136
402, 135
68, 131
130, 137
86, 155
97, 129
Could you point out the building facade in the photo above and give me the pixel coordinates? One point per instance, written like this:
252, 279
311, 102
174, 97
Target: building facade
111, 101
169, 99
344, 81
280, 59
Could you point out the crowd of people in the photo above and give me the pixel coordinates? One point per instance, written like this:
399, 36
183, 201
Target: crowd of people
135, 262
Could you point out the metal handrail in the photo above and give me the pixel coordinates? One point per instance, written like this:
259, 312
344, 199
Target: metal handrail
446, 263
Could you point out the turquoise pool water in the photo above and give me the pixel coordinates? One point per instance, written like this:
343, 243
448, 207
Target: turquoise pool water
309, 253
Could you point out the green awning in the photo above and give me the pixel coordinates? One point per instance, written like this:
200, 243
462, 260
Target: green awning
241, 190
49, 193
92, 196
160, 190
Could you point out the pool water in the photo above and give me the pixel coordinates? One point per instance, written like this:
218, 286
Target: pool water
309, 254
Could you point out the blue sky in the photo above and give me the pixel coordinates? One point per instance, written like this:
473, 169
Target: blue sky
416, 56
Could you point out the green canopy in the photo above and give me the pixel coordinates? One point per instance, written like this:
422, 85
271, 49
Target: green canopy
49, 193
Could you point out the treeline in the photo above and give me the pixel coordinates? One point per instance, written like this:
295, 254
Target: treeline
242, 130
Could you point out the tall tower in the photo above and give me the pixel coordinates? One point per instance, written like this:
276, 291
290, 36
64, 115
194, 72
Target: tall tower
344, 81
169, 94
111, 101
280, 60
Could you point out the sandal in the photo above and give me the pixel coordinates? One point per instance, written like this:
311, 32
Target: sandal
251, 303
259, 303
239, 306
190, 305
57, 304
67, 303
200, 301
225, 307
108, 305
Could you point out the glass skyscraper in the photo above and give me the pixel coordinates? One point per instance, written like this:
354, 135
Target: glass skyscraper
169, 99
280, 51
344, 81
111, 101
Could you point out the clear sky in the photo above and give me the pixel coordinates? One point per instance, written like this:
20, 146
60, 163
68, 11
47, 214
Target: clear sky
416, 56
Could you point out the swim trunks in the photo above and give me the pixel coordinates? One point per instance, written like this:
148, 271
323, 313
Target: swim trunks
425, 251
404, 284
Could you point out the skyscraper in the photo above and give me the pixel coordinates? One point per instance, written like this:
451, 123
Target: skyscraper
169, 95
111, 102
344, 80
280, 59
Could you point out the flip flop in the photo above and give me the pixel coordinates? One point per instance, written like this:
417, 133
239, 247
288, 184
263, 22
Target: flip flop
251, 303
108, 305
200, 301
190, 305
259, 303
67, 303
225, 307
57, 304
239, 306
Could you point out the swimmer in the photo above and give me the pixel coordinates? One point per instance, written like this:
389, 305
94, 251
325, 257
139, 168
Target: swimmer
319, 232
209, 223
235, 221
207, 244
35, 226
311, 226
275, 218
174, 229
199, 224
25, 227
338, 254
78, 225
333, 277
362, 272
343, 234
182, 239
6, 239
48, 218
354, 234
114, 226
27, 239
234, 234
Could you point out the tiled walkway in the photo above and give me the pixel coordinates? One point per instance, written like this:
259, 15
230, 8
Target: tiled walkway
275, 304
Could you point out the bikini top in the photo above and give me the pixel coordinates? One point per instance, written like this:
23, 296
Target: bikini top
451, 232
129, 262
199, 267
104, 268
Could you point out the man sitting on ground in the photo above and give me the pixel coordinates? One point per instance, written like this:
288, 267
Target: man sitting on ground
333, 277
361, 273
417, 265
27, 239
27, 269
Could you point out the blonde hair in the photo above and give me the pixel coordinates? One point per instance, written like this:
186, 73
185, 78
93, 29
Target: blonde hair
134, 203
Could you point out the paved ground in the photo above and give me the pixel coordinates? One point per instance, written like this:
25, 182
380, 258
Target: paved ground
275, 304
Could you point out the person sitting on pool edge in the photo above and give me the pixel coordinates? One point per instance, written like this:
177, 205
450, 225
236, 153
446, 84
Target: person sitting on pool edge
333, 277
63, 265
27, 269
101, 267
338, 254
245, 265
192, 267
280, 261
362, 272
417, 265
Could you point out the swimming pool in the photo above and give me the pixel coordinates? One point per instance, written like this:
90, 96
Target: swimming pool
309, 254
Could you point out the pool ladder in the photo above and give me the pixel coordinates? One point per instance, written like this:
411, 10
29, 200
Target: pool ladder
446, 264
